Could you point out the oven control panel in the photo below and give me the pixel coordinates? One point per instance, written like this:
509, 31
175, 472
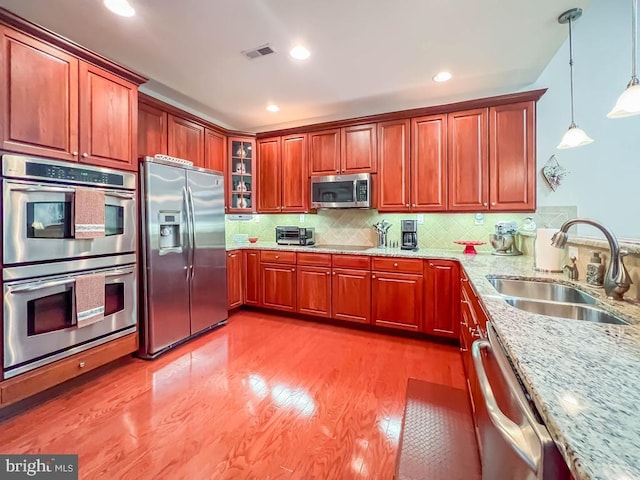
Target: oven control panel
72, 174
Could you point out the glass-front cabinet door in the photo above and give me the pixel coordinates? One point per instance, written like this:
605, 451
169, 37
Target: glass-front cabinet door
241, 175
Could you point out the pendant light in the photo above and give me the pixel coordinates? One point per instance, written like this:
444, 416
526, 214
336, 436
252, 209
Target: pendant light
575, 137
629, 102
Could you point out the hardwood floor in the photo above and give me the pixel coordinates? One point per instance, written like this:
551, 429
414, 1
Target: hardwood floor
265, 397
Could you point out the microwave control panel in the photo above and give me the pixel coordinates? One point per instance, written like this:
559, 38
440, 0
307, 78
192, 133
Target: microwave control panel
362, 192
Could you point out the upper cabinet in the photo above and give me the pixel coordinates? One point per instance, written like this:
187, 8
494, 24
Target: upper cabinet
394, 166
282, 174
343, 150
57, 105
152, 130
429, 163
242, 187
215, 151
185, 140
468, 160
512, 157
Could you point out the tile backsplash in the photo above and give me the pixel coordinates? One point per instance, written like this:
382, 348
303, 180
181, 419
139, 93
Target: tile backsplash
354, 226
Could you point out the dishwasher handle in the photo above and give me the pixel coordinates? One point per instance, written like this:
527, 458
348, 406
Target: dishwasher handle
518, 437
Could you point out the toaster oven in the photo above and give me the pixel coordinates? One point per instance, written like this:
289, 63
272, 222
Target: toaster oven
295, 236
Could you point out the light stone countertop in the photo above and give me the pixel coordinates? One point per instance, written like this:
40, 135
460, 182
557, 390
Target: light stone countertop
583, 377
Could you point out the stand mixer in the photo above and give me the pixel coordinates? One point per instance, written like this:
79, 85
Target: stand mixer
504, 240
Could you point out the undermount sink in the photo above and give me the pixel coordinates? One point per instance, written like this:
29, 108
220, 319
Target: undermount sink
565, 310
541, 291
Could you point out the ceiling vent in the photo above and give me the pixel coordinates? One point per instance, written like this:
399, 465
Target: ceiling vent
260, 51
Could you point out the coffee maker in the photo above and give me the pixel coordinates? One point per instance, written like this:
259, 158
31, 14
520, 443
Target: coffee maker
409, 235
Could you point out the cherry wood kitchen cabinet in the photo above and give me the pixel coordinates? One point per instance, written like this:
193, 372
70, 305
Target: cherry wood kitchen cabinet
269, 175
314, 290
468, 159
185, 140
512, 159
358, 149
242, 187
295, 176
215, 150
57, 105
108, 119
394, 169
344, 150
351, 295
39, 95
234, 279
397, 300
442, 298
251, 277
152, 131
429, 164
282, 174
278, 286
324, 152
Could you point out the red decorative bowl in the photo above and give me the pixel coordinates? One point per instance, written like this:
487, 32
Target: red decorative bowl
469, 245
253, 239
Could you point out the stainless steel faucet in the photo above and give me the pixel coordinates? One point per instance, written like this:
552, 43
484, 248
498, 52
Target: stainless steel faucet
616, 279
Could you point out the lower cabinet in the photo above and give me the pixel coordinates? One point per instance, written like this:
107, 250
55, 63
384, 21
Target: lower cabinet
442, 298
278, 286
351, 295
234, 279
251, 270
314, 291
397, 300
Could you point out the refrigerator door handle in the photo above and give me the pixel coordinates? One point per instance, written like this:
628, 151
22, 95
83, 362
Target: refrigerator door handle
188, 245
192, 240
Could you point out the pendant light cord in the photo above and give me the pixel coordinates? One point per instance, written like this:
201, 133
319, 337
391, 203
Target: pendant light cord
573, 123
634, 42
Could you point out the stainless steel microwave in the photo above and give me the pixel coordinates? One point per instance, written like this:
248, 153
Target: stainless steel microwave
341, 191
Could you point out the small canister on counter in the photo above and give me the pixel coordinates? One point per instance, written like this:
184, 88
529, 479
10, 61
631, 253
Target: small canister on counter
595, 270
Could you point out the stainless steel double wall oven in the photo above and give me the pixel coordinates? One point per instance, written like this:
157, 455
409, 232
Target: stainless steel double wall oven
42, 259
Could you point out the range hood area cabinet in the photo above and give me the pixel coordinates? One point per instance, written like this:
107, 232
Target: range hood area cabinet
474, 160
283, 178
55, 104
343, 151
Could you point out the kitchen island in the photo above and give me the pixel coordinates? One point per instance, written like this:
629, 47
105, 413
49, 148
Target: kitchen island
582, 376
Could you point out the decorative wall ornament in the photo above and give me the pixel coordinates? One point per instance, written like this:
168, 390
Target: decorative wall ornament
553, 173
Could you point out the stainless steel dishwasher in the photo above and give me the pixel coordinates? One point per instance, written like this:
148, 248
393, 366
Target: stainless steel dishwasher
514, 443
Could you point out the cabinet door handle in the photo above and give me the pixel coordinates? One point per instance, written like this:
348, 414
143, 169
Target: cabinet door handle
395, 264
85, 155
229, 255
465, 302
485, 204
373, 276
407, 205
277, 257
333, 273
75, 154
293, 269
81, 364
413, 204
328, 273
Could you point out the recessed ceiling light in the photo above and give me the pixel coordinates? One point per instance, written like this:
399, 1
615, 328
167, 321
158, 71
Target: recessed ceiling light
299, 52
120, 7
442, 77
273, 108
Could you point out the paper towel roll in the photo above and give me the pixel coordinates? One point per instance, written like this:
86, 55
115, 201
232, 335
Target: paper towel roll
547, 257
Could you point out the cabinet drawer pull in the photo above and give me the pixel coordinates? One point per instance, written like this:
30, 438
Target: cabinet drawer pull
333, 273
85, 155
395, 264
413, 204
493, 203
328, 273
465, 302
485, 204
277, 257
75, 154
293, 269
407, 205
81, 364
373, 276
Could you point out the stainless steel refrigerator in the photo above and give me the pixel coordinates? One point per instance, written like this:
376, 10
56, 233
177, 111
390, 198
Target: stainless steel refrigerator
184, 273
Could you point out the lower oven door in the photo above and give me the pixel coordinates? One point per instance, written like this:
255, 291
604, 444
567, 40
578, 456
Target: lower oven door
515, 443
40, 324
38, 223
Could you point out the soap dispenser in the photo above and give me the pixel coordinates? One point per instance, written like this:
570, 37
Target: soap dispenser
595, 270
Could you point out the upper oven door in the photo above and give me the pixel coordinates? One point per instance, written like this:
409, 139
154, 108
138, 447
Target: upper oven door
341, 191
40, 321
38, 223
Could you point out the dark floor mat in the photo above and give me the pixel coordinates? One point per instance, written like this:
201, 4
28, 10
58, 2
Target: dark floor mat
437, 440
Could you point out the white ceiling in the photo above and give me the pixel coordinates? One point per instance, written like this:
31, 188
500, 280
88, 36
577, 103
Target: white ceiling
368, 56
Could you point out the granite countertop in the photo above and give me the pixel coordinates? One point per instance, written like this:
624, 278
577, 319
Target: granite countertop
583, 377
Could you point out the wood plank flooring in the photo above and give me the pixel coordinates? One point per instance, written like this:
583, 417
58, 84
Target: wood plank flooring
264, 397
